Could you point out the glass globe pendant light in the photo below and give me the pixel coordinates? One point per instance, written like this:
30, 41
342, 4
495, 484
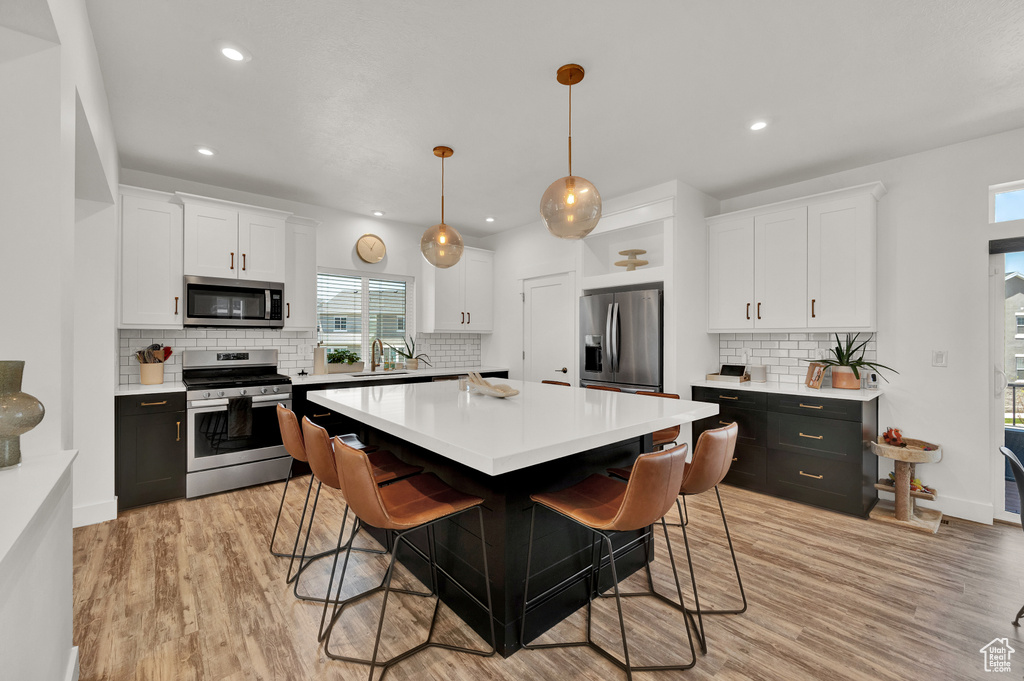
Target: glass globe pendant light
571, 206
441, 244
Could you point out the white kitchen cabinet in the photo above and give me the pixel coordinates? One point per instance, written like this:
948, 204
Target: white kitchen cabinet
151, 260
459, 298
837, 294
300, 279
808, 263
780, 269
731, 274
233, 241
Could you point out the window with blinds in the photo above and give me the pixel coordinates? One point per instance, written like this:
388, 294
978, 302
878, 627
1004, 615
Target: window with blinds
352, 311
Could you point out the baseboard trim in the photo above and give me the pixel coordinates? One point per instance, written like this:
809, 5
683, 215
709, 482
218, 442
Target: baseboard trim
72, 671
91, 514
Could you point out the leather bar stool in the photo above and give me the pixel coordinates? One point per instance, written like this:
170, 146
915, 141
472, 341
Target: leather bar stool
605, 505
712, 458
666, 436
418, 502
604, 387
291, 436
386, 467
557, 383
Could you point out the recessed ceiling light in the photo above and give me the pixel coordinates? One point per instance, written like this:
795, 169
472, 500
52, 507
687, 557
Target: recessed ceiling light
378, 213
490, 219
759, 125
205, 151
235, 53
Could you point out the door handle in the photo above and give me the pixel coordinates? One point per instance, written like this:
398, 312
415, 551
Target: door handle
748, 310
178, 424
243, 262
289, 307
469, 317
463, 318
175, 304
808, 475
232, 260
615, 338
608, 337
999, 391
813, 437
564, 370
759, 310
812, 309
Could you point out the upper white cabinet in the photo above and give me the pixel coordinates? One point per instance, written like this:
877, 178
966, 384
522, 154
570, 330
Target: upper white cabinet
796, 265
233, 241
151, 271
300, 282
459, 298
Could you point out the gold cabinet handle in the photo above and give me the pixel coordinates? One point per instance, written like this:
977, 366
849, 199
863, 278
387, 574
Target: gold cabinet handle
175, 304
813, 437
812, 309
153, 404
735, 458
178, 439
243, 262
320, 416
808, 475
812, 406
726, 423
726, 397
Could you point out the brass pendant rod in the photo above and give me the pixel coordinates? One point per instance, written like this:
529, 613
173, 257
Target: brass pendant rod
442, 190
570, 129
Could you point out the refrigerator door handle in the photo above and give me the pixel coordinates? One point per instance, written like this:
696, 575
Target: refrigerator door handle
608, 338
615, 338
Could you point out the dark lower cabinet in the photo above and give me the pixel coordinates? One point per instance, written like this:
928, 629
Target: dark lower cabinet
806, 448
150, 449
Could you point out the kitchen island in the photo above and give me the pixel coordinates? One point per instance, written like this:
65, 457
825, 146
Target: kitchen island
545, 438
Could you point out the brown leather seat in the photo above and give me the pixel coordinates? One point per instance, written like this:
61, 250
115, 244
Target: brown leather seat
403, 506
557, 383
667, 435
291, 433
608, 505
386, 466
604, 387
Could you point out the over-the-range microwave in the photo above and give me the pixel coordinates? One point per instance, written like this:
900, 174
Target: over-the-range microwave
212, 301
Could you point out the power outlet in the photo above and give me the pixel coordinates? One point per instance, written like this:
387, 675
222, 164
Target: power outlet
940, 358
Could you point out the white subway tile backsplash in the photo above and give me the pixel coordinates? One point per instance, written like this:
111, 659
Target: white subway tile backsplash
786, 355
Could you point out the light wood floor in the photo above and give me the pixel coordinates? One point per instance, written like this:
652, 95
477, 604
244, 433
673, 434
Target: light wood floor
187, 590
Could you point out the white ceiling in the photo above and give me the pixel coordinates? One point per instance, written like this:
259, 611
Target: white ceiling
344, 100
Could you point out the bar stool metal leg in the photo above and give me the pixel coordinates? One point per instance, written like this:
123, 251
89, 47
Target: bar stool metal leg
696, 598
273, 536
735, 565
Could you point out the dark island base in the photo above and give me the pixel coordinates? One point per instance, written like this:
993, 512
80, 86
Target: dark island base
561, 548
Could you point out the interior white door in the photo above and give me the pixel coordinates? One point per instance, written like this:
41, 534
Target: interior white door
300, 282
997, 383
549, 328
839, 288
261, 244
731, 275
151, 281
479, 287
780, 269
211, 242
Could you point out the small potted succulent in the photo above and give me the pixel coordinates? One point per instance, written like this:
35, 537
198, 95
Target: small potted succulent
412, 360
846, 360
343, 361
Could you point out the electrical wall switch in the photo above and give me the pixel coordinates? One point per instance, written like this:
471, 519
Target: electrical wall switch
939, 358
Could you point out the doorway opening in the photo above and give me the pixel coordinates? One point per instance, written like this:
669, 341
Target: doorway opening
1006, 293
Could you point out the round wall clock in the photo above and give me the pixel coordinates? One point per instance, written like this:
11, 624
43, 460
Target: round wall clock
370, 248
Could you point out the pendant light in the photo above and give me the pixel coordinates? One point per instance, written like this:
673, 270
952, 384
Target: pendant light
441, 244
571, 206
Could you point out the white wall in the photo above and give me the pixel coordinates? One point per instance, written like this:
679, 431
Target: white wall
933, 235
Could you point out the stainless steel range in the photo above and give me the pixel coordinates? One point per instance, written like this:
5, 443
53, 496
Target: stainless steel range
234, 438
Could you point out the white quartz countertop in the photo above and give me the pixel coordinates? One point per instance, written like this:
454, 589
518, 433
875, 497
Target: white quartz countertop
139, 389
23, 491
495, 436
793, 389
380, 375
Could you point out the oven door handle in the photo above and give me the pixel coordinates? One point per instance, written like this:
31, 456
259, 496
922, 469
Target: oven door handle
212, 405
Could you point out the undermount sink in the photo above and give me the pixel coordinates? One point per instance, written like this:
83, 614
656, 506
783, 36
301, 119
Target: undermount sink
380, 374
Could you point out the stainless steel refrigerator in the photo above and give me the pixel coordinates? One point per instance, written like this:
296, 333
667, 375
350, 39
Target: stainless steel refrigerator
621, 340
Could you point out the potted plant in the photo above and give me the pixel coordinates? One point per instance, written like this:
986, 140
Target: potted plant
343, 361
846, 361
412, 360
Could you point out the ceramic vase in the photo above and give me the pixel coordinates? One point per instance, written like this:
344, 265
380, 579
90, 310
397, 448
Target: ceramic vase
412, 364
19, 412
842, 377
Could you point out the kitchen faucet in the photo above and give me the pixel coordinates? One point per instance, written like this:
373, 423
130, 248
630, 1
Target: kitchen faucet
377, 342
